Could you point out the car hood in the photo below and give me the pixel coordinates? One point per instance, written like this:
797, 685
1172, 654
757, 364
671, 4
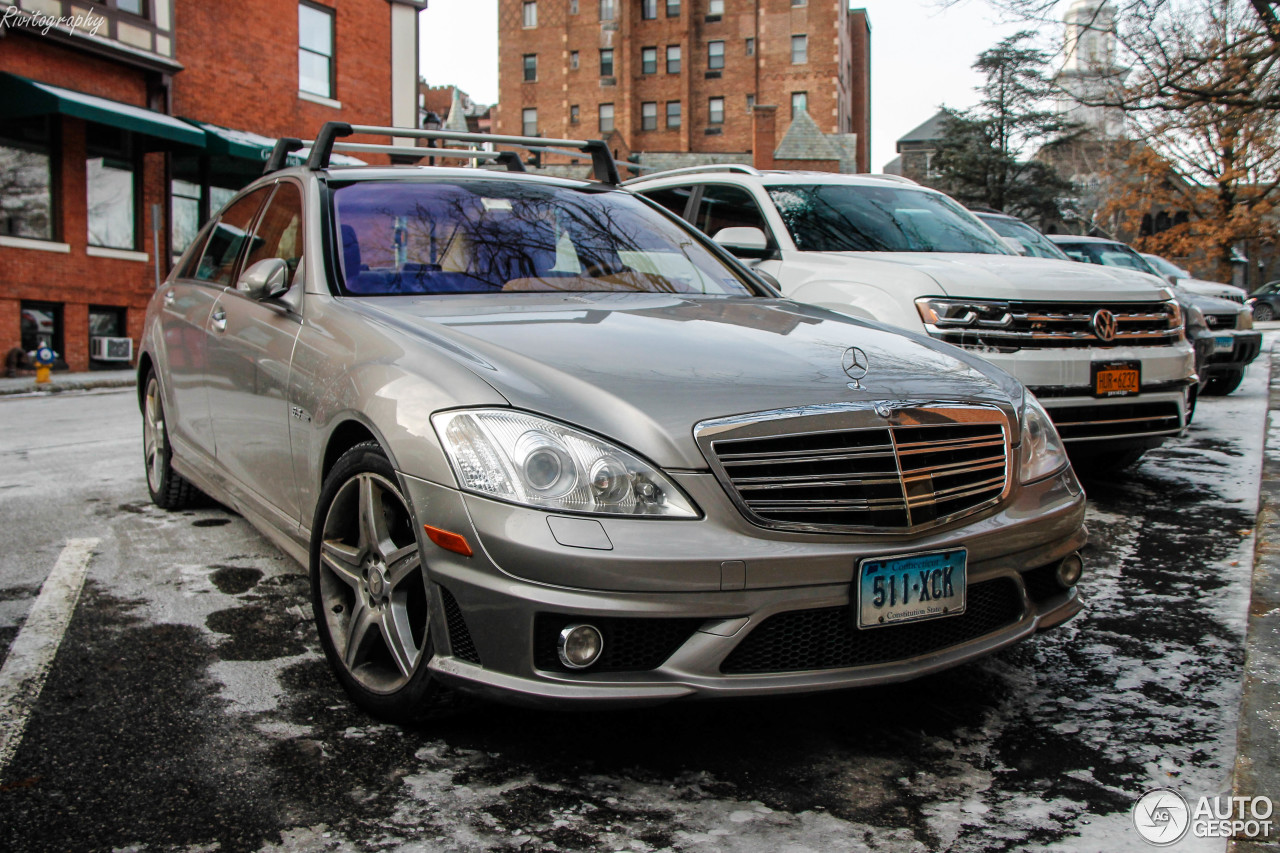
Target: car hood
979, 276
643, 369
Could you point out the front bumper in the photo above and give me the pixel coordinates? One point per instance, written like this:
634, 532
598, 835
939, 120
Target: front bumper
1246, 348
703, 608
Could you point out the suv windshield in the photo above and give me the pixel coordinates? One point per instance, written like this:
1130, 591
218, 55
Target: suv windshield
486, 236
847, 218
1036, 244
1109, 255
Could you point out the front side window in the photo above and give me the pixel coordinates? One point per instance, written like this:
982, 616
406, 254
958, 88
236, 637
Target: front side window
1108, 255
715, 55
315, 50
649, 9
673, 59
1036, 244
649, 115
648, 60
530, 11
799, 103
606, 10
530, 67
799, 50
715, 111
606, 118
26, 179
844, 218
227, 237
279, 230
606, 63
724, 207
111, 184
529, 121
673, 114
483, 236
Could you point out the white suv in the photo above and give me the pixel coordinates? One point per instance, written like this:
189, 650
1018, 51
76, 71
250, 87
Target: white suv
1104, 352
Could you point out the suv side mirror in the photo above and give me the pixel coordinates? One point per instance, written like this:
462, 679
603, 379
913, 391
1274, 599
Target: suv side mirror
1015, 244
743, 241
266, 279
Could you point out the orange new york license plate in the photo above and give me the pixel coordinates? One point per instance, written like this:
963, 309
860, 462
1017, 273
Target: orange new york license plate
1117, 379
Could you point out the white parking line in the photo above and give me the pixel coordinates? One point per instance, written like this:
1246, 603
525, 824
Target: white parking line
22, 676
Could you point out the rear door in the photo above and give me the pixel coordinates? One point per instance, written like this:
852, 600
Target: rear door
250, 349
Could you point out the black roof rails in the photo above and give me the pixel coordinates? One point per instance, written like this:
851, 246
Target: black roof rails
284, 146
604, 169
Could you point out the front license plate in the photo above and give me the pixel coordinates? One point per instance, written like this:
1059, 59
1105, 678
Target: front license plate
1117, 378
893, 590
1223, 343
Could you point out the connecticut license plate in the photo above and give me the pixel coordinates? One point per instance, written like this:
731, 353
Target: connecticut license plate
893, 590
1223, 343
1117, 378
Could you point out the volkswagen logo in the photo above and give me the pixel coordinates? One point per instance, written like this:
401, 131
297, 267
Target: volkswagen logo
855, 366
1104, 325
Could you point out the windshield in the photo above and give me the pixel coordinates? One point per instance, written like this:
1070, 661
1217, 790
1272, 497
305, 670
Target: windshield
1165, 267
849, 218
1109, 255
1036, 244
486, 236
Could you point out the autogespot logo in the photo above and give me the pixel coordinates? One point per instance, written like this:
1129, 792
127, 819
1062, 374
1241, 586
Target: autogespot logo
1162, 817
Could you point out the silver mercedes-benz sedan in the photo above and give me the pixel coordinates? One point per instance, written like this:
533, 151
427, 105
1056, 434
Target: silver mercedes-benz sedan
538, 439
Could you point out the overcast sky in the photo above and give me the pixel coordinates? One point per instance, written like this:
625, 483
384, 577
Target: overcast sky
921, 53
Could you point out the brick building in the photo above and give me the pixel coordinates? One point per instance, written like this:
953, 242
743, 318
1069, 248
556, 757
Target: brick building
124, 123
681, 77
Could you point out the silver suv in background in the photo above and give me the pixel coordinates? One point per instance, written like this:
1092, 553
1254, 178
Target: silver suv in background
1104, 353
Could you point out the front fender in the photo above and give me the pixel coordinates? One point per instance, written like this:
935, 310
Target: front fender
857, 299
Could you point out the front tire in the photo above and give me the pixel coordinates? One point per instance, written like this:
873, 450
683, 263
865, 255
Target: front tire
1223, 384
1263, 313
369, 589
169, 489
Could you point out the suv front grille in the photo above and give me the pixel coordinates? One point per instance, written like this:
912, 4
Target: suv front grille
1076, 423
939, 465
1064, 325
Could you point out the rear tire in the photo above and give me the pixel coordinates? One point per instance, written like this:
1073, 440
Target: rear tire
168, 488
1221, 386
370, 592
1263, 313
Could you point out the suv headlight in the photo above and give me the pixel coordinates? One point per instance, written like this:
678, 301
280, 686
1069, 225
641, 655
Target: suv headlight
537, 462
1042, 451
1244, 320
963, 313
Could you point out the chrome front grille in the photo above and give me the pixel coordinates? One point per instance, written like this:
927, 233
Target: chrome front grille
919, 467
1219, 322
1061, 325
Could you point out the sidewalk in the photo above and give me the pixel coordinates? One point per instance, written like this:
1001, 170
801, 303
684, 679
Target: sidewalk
69, 382
1257, 768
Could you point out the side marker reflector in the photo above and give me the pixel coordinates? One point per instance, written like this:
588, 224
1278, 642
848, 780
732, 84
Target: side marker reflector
455, 542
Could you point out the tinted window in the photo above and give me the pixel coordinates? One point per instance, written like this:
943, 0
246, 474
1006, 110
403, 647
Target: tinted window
218, 260
279, 231
1108, 255
727, 207
1036, 244
674, 199
846, 218
488, 236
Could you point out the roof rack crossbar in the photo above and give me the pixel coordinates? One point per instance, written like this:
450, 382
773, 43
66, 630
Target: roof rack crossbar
412, 151
284, 146
741, 168
603, 166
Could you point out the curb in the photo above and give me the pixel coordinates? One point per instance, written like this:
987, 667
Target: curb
1257, 765
61, 388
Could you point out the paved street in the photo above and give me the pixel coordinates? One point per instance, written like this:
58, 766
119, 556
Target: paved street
188, 706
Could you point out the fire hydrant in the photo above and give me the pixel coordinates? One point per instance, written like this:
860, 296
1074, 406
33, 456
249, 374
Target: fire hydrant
43, 358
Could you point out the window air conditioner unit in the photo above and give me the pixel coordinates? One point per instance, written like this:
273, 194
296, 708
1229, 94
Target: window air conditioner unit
111, 349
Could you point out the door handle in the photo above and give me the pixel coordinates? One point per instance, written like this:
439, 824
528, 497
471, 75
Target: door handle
219, 320
169, 298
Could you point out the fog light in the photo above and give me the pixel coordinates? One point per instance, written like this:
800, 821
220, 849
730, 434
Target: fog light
1070, 570
579, 646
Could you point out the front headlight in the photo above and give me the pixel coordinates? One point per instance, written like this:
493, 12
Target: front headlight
1194, 318
1174, 312
963, 313
533, 461
1042, 450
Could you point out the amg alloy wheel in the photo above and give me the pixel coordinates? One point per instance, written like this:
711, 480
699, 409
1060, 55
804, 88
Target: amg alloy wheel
169, 489
370, 593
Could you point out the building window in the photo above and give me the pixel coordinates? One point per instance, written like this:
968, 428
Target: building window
673, 8
574, 114
107, 322
648, 9
530, 14
673, 115
26, 179
715, 8
606, 10
648, 60
606, 118
606, 63
111, 178
41, 325
530, 67
315, 50
529, 121
799, 101
573, 7
649, 115
799, 50
799, 2
715, 55
751, 102
573, 60
184, 199
673, 59
751, 47
715, 111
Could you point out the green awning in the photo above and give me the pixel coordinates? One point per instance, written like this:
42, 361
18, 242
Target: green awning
248, 145
23, 98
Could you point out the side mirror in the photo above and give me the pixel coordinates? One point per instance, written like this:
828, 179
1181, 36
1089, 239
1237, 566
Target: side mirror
266, 279
1015, 244
741, 240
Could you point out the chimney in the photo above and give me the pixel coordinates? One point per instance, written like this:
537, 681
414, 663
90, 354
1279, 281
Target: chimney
860, 80
764, 139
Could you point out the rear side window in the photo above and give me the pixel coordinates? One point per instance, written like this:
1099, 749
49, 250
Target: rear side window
674, 199
724, 207
218, 260
279, 231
